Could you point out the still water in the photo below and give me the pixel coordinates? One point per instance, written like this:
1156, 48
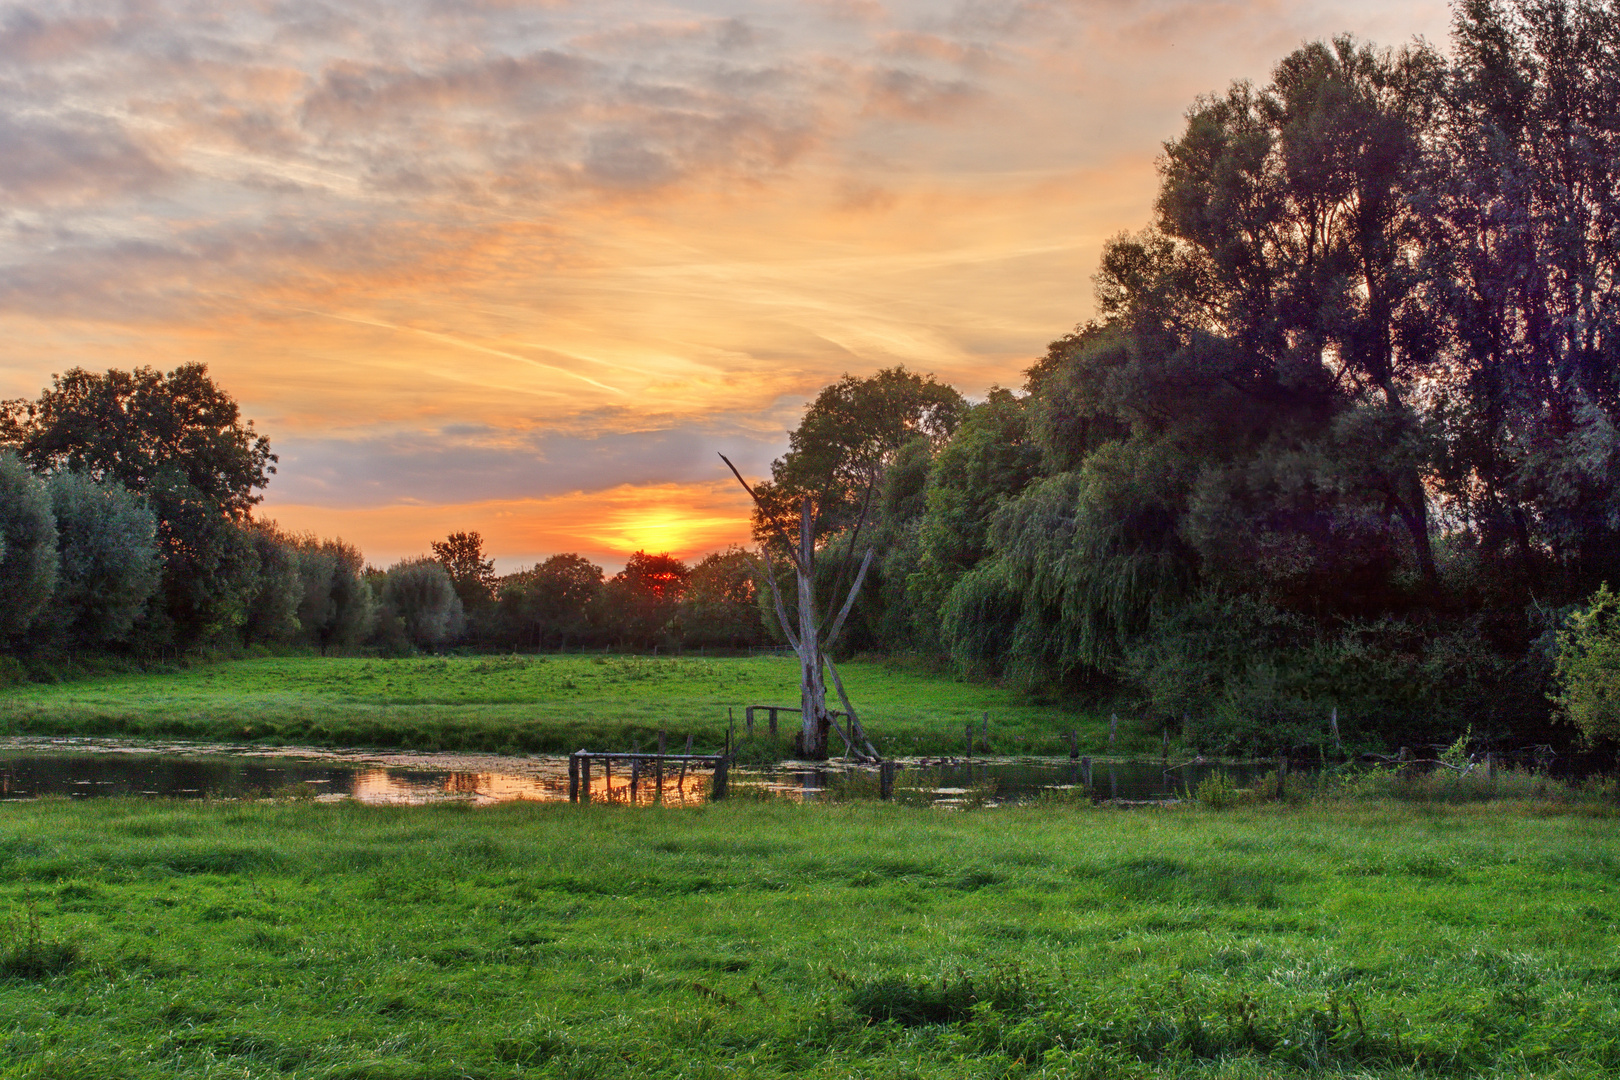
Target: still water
86, 768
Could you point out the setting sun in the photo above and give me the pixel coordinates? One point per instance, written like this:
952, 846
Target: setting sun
526, 268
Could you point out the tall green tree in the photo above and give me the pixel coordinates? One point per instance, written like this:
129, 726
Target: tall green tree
552, 602
419, 602
1526, 251
28, 561
109, 563
180, 441
845, 441
462, 554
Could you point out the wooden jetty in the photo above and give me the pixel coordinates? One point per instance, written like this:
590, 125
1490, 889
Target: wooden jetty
856, 742
581, 764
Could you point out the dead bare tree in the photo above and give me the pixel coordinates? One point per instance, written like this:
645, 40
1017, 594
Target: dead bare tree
809, 643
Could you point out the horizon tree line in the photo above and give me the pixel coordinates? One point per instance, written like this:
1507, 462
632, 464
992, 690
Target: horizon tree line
1342, 444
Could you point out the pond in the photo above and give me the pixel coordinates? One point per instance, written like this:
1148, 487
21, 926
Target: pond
87, 768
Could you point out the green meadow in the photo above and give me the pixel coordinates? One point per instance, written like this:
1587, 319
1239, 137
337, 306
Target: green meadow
524, 704
1356, 938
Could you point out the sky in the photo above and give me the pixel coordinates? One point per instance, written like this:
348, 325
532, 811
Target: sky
526, 268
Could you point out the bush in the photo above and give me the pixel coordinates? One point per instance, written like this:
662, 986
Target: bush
27, 547
1587, 671
108, 558
421, 597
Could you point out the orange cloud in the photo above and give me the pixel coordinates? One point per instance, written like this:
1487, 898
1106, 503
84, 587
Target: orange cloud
518, 267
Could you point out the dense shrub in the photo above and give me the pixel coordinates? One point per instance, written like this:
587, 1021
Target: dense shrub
108, 560
27, 547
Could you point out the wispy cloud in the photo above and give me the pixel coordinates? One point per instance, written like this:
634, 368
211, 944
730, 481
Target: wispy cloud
471, 258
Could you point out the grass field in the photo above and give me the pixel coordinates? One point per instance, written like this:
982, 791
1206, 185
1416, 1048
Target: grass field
1372, 939
516, 704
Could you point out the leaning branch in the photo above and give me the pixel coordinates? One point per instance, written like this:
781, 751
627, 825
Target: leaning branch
855, 728
763, 513
849, 601
776, 595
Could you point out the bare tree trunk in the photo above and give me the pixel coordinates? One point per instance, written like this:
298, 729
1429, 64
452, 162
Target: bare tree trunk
812, 685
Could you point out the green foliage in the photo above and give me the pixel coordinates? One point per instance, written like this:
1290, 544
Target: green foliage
1587, 671
462, 554
845, 441
420, 605
108, 560
272, 612
336, 606
137, 427
720, 605
551, 603
28, 560
178, 440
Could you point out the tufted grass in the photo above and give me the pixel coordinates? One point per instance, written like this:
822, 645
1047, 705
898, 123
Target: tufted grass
1354, 938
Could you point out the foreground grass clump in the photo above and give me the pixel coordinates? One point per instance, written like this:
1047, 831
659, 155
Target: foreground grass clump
775, 940
519, 704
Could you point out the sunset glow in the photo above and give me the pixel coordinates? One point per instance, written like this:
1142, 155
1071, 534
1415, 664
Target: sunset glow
527, 268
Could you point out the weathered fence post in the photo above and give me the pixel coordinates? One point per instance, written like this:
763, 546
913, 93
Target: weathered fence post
1074, 744
635, 768
970, 740
886, 780
718, 792
584, 777
772, 716
1490, 767
663, 736
1113, 729
607, 778
573, 777
748, 720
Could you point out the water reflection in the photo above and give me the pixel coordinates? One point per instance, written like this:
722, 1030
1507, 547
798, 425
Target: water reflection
86, 768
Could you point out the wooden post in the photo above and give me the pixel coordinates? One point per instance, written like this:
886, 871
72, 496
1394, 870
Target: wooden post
718, 792
970, 740
1333, 722
748, 719
584, 777
607, 779
573, 777
985, 742
1490, 767
1166, 755
886, 780
1074, 744
1113, 729
772, 715
731, 732
658, 770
